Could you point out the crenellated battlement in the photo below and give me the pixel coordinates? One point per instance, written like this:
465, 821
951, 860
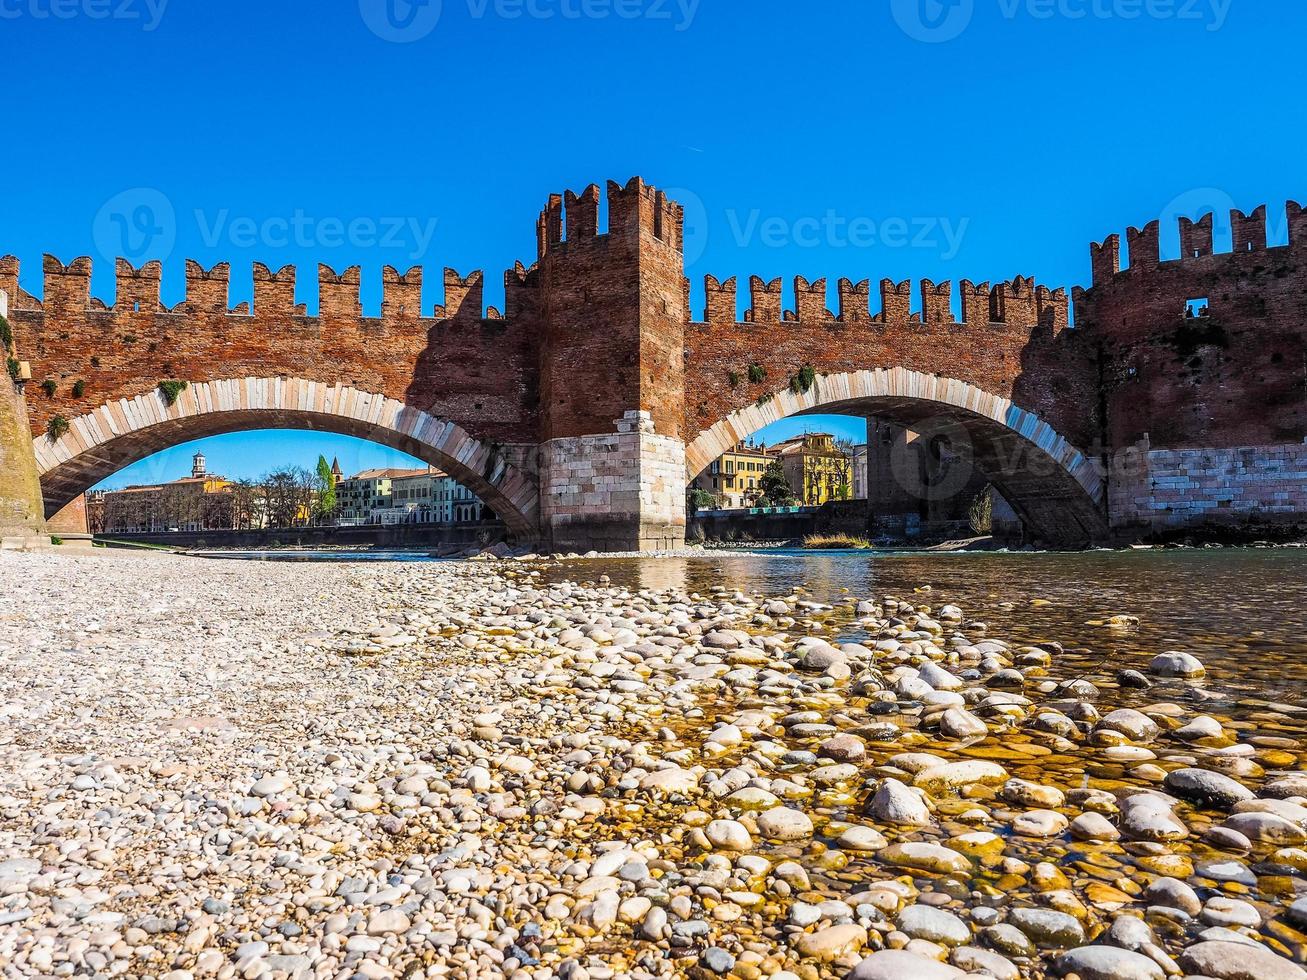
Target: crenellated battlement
635, 210
1018, 303
138, 291
1205, 348
1248, 233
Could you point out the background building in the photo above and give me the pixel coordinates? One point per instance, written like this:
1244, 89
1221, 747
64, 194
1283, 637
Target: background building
405, 496
816, 468
199, 502
734, 477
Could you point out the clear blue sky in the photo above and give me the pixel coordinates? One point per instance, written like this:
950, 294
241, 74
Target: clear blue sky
978, 138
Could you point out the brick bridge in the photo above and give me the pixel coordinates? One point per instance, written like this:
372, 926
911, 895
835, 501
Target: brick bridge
580, 410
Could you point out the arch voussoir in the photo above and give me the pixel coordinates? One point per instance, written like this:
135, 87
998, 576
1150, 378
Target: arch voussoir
120, 432
1049, 466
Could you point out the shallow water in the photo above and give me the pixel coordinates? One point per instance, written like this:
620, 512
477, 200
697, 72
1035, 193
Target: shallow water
331, 556
1243, 612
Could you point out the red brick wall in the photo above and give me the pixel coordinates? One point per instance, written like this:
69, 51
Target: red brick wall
479, 372
1237, 377
1027, 355
599, 326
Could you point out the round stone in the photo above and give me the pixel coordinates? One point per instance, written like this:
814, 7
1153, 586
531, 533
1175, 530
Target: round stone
934, 925
893, 802
1093, 826
860, 838
1175, 663
899, 964
782, 823
1039, 823
728, 835
1048, 928
1108, 963
1130, 723
925, 857
1238, 961
953, 776
832, 942
1207, 788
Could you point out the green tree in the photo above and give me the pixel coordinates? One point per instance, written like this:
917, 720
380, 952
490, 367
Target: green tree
701, 499
326, 490
775, 487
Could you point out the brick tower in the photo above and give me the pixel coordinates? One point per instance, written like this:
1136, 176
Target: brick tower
613, 308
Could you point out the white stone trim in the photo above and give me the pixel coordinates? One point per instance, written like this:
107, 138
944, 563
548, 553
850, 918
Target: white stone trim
294, 396
894, 382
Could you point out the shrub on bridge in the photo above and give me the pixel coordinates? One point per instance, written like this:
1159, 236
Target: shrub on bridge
56, 428
802, 382
171, 391
48, 386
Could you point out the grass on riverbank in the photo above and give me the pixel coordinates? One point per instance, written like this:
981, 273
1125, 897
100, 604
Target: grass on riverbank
831, 542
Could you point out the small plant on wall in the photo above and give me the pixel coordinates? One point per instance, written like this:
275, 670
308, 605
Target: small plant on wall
803, 381
733, 377
49, 386
11, 364
56, 428
171, 390
757, 373
79, 388
6, 335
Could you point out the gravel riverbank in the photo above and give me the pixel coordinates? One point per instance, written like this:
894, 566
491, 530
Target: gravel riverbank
232, 769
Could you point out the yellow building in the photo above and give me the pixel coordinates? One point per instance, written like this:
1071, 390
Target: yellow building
735, 477
816, 468
199, 502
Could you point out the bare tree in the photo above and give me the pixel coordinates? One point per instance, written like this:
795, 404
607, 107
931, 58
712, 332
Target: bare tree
844, 469
246, 508
288, 496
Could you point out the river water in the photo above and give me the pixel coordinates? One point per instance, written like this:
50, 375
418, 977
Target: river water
1243, 612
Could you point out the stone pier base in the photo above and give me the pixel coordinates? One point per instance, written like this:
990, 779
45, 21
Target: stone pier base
22, 513
616, 491
1249, 488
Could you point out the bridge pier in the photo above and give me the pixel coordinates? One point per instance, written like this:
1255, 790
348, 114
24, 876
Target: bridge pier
619, 491
22, 524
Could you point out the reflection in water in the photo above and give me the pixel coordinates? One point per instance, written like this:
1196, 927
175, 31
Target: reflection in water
1243, 612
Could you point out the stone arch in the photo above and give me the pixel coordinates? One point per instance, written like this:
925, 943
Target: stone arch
1055, 488
123, 431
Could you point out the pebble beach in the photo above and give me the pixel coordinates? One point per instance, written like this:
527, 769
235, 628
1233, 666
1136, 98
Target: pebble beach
514, 768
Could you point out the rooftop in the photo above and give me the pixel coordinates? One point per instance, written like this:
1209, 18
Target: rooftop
395, 473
